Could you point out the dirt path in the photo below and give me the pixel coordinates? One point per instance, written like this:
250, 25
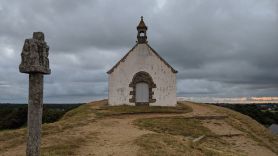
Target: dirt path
114, 137
201, 110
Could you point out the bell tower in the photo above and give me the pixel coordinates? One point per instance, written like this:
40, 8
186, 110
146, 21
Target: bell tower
142, 32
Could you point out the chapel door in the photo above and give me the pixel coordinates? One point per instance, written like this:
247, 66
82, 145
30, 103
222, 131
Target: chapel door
142, 92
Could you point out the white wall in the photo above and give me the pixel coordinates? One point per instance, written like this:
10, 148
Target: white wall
142, 59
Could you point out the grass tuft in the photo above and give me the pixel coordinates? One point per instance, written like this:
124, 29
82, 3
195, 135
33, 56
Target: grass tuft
169, 145
175, 126
106, 110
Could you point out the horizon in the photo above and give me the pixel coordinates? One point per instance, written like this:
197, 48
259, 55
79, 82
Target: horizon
227, 100
232, 100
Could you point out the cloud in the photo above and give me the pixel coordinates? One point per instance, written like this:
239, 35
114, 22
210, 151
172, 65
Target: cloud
220, 48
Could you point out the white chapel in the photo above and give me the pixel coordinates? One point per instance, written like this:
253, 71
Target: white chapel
142, 77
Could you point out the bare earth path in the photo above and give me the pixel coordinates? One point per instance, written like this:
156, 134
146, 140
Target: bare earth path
115, 135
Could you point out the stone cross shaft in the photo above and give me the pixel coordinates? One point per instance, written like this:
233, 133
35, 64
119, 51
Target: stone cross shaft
34, 61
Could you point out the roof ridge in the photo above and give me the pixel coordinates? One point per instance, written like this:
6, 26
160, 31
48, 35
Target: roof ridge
122, 59
125, 56
163, 60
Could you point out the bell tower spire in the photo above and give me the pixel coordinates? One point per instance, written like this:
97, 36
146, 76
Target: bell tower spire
142, 32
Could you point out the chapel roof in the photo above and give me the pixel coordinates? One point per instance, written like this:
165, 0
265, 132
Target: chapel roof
142, 40
124, 58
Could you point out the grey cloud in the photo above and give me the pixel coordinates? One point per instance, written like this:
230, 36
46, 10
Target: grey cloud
220, 48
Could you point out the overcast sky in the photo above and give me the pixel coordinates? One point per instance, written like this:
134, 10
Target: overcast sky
221, 48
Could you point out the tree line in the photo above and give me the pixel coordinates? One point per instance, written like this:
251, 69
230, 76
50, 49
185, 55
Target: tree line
265, 117
15, 115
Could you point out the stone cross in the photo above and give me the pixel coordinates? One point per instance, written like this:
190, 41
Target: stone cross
35, 63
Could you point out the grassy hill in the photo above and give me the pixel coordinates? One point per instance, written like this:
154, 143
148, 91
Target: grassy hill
188, 129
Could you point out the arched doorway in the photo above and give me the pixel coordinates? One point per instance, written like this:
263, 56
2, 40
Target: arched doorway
142, 93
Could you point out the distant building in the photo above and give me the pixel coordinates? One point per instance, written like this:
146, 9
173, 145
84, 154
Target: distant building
142, 77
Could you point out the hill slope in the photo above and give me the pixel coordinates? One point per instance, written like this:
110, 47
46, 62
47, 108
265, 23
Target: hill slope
189, 129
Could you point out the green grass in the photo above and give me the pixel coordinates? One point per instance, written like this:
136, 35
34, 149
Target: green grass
175, 126
174, 137
67, 148
160, 144
12, 138
67, 145
75, 118
106, 110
